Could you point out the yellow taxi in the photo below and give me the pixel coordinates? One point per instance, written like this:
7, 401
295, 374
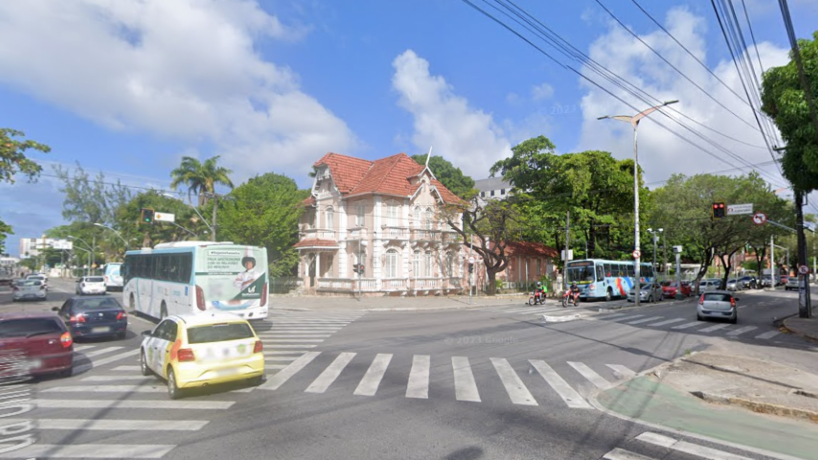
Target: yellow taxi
200, 350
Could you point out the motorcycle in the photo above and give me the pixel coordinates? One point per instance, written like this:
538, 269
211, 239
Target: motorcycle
570, 299
536, 298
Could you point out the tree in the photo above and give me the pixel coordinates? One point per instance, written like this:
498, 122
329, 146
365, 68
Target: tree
491, 225
450, 176
13, 158
128, 222
265, 212
593, 186
200, 178
783, 98
5, 230
90, 200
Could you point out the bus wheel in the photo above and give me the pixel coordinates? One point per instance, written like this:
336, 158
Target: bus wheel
163, 312
608, 295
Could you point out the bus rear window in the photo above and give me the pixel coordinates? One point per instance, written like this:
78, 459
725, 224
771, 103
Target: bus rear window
219, 333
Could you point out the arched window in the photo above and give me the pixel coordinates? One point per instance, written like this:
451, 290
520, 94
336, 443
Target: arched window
330, 218
392, 214
392, 258
360, 213
427, 264
417, 217
429, 216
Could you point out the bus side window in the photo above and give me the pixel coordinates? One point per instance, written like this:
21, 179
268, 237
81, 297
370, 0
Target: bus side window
608, 270
599, 274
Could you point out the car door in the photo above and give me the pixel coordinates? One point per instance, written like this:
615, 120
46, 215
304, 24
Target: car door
65, 311
171, 333
156, 345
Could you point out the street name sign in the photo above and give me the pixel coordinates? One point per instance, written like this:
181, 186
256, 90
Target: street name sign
737, 209
164, 217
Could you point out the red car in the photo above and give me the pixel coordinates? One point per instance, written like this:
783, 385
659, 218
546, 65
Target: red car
670, 288
33, 344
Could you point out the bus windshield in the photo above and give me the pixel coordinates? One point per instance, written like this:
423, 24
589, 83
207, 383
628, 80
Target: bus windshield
580, 273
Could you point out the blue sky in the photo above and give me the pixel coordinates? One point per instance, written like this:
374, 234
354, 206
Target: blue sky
129, 87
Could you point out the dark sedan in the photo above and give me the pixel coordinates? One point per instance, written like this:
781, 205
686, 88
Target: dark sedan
33, 344
97, 316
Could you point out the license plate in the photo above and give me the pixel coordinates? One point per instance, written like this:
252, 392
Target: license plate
226, 372
100, 330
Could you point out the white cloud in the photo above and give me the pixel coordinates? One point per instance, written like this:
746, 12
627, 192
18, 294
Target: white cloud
660, 152
542, 91
183, 69
467, 137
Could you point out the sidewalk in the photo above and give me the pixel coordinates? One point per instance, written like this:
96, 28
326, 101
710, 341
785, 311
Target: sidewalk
727, 396
805, 327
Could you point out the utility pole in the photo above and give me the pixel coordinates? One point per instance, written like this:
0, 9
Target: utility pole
567, 245
772, 263
804, 300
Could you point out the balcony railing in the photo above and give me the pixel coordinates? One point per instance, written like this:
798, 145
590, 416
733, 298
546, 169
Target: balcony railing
426, 284
394, 284
347, 284
318, 233
395, 233
357, 233
423, 234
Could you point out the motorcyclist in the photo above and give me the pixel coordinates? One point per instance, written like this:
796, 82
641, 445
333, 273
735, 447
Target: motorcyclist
540, 291
575, 291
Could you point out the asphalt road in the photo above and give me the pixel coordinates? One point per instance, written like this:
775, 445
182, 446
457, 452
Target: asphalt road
469, 384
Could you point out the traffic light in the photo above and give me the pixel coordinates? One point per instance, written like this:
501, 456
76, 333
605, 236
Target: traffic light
147, 216
471, 268
358, 268
719, 210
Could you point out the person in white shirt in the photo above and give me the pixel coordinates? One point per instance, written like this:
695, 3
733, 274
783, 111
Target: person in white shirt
247, 277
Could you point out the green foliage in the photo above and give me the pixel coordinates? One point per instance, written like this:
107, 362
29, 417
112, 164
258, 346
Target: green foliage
200, 178
13, 158
265, 212
5, 230
187, 225
90, 200
784, 99
450, 176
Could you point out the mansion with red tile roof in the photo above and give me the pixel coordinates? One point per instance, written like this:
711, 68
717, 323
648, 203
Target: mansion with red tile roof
374, 227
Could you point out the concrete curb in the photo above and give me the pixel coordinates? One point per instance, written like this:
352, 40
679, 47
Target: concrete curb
758, 407
789, 330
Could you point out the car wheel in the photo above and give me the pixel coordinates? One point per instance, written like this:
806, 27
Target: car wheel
256, 381
143, 365
173, 390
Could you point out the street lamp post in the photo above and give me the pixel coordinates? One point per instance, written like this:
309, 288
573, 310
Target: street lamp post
212, 231
89, 250
634, 121
117, 233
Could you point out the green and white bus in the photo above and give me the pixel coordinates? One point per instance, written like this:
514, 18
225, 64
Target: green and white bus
197, 277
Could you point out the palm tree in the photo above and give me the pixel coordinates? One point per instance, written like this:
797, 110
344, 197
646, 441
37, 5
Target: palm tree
200, 178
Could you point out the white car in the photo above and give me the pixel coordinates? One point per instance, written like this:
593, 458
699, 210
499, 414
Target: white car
709, 285
41, 278
650, 292
719, 305
29, 289
91, 285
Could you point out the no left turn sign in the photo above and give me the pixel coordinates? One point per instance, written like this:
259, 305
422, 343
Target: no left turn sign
759, 218
636, 253
803, 269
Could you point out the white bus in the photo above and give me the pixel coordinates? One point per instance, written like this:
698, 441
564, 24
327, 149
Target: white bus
197, 277
112, 273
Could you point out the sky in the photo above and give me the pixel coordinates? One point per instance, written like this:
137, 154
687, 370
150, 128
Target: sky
129, 87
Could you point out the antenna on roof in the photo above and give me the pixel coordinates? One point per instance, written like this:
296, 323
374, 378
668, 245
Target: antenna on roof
429, 155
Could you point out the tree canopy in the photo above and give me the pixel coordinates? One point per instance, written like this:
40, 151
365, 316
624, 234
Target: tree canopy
265, 212
90, 200
12, 155
449, 175
199, 177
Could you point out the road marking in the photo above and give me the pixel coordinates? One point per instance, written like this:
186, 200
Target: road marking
274, 367
622, 454
616, 315
589, 374
664, 323
277, 341
127, 368
464, 386
293, 352
687, 325
83, 347
738, 332
568, 394
645, 320
295, 335
623, 371
101, 352
103, 361
129, 404
294, 346
91, 451
515, 388
108, 389
372, 379
110, 378
418, 385
278, 359
114, 425
767, 335
688, 448
331, 373
281, 377
714, 328
629, 317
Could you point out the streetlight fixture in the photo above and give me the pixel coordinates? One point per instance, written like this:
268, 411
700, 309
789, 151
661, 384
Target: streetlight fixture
117, 233
212, 232
90, 252
634, 121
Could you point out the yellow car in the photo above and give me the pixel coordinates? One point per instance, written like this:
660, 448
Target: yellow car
199, 350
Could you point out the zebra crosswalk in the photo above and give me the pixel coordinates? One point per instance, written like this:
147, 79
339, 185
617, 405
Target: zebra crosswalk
648, 444
457, 373
526, 310
88, 356
679, 324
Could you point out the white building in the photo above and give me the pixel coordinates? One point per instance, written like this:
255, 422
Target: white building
31, 247
493, 188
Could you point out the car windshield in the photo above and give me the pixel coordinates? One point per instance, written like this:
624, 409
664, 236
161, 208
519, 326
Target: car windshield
219, 333
716, 297
25, 327
102, 303
29, 283
94, 279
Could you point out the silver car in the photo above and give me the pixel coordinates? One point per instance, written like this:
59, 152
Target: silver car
717, 304
792, 283
650, 292
733, 285
29, 289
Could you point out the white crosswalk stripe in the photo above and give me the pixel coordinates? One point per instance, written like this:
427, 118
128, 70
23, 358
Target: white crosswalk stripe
621, 371
115, 425
103, 351
418, 385
130, 404
369, 384
285, 374
622, 454
687, 447
767, 335
331, 373
589, 374
515, 388
738, 332
568, 394
714, 328
464, 385
106, 360
645, 320
628, 317
39, 450
687, 325
666, 322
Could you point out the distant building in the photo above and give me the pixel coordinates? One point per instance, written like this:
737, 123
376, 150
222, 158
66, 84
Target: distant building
493, 188
31, 247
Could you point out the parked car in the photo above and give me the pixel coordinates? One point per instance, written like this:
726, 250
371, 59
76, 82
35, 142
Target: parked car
98, 316
28, 289
671, 288
766, 281
709, 285
650, 292
733, 285
91, 285
792, 283
717, 304
195, 350
34, 344
748, 282
782, 281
